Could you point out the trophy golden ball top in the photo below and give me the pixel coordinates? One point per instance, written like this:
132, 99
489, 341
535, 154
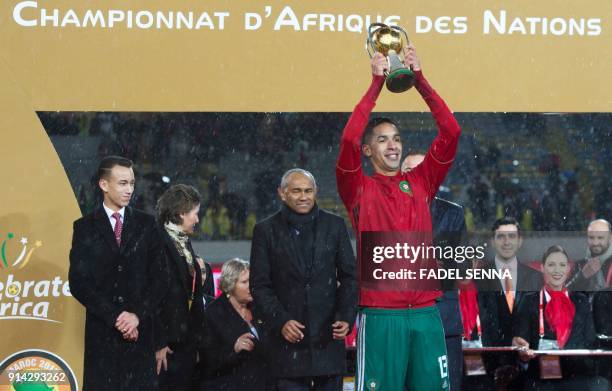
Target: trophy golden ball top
386, 39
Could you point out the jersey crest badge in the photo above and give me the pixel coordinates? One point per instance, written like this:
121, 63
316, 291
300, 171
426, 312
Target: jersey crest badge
405, 187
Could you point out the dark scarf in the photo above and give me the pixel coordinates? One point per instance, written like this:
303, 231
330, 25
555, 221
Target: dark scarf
297, 219
302, 228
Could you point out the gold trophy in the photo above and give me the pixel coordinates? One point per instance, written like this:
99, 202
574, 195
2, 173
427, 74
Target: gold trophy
388, 41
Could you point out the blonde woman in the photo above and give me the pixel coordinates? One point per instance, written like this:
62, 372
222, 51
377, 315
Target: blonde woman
232, 348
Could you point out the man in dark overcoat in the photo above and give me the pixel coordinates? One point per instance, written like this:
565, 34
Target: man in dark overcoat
304, 287
118, 272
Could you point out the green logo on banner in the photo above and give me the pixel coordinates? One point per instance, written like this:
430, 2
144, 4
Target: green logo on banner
22, 296
23, 256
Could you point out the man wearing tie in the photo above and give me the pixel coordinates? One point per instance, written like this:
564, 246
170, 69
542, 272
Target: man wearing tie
498, 299
118, 272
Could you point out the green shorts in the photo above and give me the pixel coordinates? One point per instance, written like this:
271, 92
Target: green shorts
401, 349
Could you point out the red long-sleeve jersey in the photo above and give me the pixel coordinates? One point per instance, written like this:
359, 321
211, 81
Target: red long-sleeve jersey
378, 203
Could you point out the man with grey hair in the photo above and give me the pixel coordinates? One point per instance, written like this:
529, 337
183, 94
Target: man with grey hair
285, 179
304, 287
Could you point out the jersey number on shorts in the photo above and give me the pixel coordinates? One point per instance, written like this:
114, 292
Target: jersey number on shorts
442, 361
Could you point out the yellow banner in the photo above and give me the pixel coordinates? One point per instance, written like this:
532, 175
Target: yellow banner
304, 56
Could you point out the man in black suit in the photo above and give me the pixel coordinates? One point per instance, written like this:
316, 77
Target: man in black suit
449, 229
118, 272
593, 275
498, 299
304, 287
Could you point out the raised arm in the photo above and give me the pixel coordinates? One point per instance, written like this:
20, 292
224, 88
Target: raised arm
348, 168
443, 149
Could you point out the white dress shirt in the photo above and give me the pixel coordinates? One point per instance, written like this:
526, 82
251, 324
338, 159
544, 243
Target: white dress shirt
110, 212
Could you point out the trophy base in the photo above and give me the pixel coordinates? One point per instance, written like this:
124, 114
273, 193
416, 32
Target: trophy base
400, 80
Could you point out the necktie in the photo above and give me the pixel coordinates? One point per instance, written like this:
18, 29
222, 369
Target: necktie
118, 227
509, 292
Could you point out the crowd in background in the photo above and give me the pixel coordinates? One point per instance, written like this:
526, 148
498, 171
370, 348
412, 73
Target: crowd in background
558, 190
